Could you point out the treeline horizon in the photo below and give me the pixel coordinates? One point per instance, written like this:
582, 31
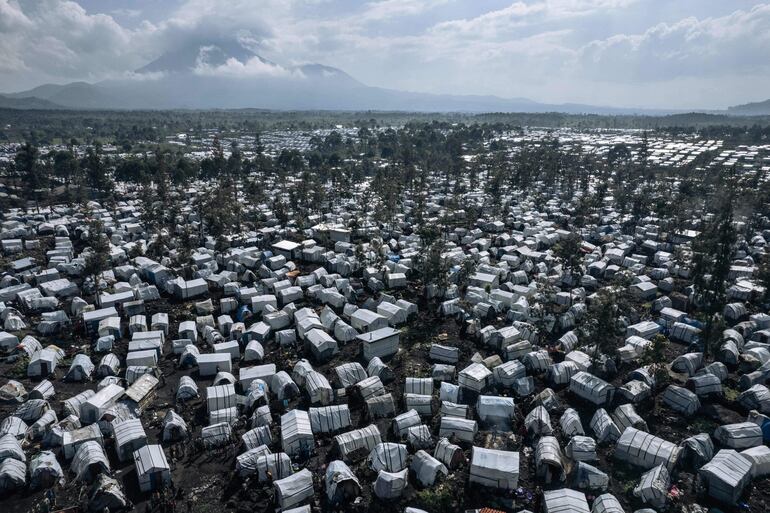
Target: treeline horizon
60, 126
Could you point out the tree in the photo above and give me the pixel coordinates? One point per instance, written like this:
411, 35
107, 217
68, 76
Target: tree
711, 260
65, 166
29, 170
601, 330
95, 170
97, 260
655, 358
569, 252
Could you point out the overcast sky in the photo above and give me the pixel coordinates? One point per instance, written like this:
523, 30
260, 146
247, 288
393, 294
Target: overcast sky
634, 53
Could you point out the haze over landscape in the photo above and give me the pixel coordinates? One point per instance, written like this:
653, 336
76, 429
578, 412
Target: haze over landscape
601, 56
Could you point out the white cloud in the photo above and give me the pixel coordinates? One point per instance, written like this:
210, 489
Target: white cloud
232, 67
388, 9
537, 48
738, 43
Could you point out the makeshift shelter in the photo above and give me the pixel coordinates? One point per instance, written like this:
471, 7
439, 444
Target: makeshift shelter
646, 450
581, 448
760, 460
152, 468
427, 468
681, 400
187, 389
357, 442
45, 471
89, 461
342, 486
653, 487
496, 411
570, 423
697, 450
13, 474
604, 427
741, 435
174, 427
538, 421
588, 477
106, 494
607, 503
725, 476
549, 460
295, 489
318, 389
297, 434
460, 428
129, 436
591, 388
329, 419
388, 456
564, 500
81, 368
217, 435
390, 485
494, 468
449, 454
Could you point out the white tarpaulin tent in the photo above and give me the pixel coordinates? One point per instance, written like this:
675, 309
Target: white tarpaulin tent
646, 450
565, 500
653, 487
388, 456
726, 475
390, 485
494, 468
342, 486
89, 461
152, 468
295, 489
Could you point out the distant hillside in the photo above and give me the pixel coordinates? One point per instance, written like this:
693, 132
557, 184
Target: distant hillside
751, 109
7, 102
227, 75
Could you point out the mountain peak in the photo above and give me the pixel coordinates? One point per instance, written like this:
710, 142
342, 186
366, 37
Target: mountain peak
191, 56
